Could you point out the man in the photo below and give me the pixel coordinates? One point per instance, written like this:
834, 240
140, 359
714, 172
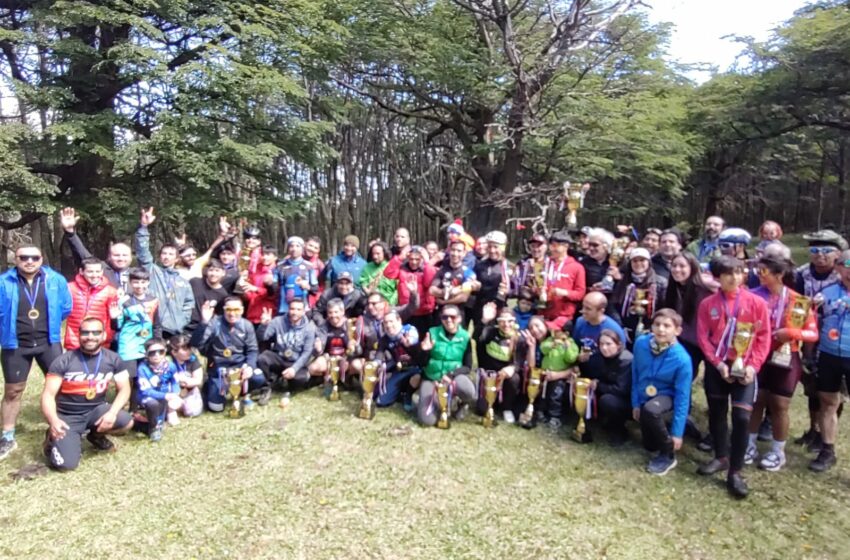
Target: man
34, 300
669, 245
455, 232
91, 297
719, 317
250, 250
190, 264
417, 268
530, 272
174, 293
293, 336
208, 288
401, 241
595, 260
118, 262
349, 259
397, 347
353, 299
74, 399
295, 278
564, 282
227, 255
833, 361
587, 329
493, 275
229, 342
332, 339
705, 248
454, 281
651, 240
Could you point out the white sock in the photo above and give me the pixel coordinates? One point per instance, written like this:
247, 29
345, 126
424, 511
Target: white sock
753, 439
779, 447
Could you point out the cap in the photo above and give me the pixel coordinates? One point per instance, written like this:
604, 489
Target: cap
640, 253
537, 238
251, 231
586, 230
560, 237
497, 237
344, 275
826, 237
352, 239
456, 229
735, 235
294, 240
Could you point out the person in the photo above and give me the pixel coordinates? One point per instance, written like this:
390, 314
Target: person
595, 260
413, 264
651, 240
73, 400
117, 266
333, 340
497, 352
293, 337
833, 364
589, 326
229, 342
259, 288
492, 274
564, 283
447, 356
733, 242
226, 254
626, 305
189, 376
91, 296
454, 281
372, 278
661, 384
401, 243
397, 348
530, 272
719, 318
353, 299
435, 256
34, 301
312, 254
135, 321
670, 245
558, 356
208, 288
190, 265
525, 308
770, 231
174, 293
777, 380
158, 390
294, 278
455, 232
349, 259
706, 247
611, 377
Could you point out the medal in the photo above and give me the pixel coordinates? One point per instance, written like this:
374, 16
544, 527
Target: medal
33, 314
91, 393
287, 353
92, 390
227, 352
398, 366
833, 334
144, 333
651, 391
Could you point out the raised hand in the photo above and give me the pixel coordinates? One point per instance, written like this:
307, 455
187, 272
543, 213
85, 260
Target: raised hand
223, 226
208, 311
427, 344
180, 240
489, 312
147, 217
68, 218
114, 310
266, 317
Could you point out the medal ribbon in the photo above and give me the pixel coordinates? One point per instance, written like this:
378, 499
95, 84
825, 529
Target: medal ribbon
86, 367
729, 330
32, 296
553, 276
778, 312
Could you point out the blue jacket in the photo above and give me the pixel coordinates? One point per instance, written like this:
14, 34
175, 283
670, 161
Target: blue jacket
154, 386
670, 374
835, 325
341, 263
58, 306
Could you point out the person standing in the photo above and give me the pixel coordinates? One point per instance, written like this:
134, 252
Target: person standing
91, 296
117, 266
705, 248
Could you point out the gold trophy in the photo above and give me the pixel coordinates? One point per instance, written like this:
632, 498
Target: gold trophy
333, 374
741, 341
574, 195
796, 319
535, 379
442, 390
581, 400
234, 392
615, 257
370, 379
639, 307
539, 278
447, 286
352, 336
491, 393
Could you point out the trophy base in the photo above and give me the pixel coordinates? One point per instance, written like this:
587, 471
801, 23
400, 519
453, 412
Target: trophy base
582, 437
489, 420
367, 411
526, 419
236, 410
443, 422
781, 359
333, 393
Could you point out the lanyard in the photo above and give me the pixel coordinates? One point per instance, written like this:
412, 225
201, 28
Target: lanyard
551, 275
86, 365
657, 368
731, 323
32, 295
778, 310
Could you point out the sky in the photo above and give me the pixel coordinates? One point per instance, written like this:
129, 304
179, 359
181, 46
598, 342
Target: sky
700, 26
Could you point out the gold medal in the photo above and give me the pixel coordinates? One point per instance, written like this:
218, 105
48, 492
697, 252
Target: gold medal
144, 333
651, 391
227, 352
170, 295
33, 314
287, 354
91, 393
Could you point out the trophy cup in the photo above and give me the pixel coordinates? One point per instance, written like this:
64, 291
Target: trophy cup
333, 374
574, 195
234, 392
796, 319
617, 254
370, 379
639, 307
442, 390
581, 402
535, 378
491, 393
539, 278
741, 343
447, 286
352, 336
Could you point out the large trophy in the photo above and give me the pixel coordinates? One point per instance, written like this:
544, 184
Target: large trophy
581, 394
741, 341
447, 286
370, 379
574, 195
491, 393
796, 319
617, 254
234, 392
535, 380
640, 307
334, 369
352, 336
539, 279
444, 402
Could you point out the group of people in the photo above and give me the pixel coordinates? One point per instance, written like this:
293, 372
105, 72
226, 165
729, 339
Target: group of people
630, 318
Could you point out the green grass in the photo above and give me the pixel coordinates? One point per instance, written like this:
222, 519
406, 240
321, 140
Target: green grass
315, 482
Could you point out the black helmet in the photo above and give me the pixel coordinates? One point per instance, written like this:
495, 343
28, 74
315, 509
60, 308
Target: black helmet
251, 231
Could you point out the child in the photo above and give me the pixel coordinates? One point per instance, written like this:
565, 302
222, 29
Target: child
159, 392
661, 383
612, 384
560, 353
190, 375
136, 320
525, 307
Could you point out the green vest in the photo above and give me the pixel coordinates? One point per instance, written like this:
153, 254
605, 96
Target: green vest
447, 353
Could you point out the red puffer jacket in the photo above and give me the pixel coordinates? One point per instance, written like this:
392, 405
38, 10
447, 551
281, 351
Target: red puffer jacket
260, 299
424, 275
88, 301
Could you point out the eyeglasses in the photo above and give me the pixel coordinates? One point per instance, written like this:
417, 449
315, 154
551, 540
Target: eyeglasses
763, 272
30, 258
232, 309
726, 245
822, 250
156, 352
593, 244
251, 236
84, 332
449, 317
189, 255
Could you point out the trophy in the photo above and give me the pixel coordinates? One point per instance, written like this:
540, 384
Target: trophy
640, 307
796, 319
535, 378
574, 195
540, 283
370, 379
234, 392
617, 254
491, 393
447, 286
443, 398
581, 402
333, 377
352, 336
741, 341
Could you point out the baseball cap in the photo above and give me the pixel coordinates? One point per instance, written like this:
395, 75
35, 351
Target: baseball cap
639, 253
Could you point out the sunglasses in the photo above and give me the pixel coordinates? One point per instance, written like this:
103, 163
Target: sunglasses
156, 352
90, 333
30, 258
726, 245
251, 236
232, 309
822, 250
449, 317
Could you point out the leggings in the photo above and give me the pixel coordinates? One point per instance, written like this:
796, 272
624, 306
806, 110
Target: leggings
429, 409
719, 393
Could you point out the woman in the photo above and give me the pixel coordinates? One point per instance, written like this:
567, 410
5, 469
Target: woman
626, 306
372, 277
612, 384
778, 380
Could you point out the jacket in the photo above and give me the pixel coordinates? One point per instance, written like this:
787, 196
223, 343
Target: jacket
355, 304
447, 353
340, 263
138, 323
568, 275
835, 325
89, 301
265, 297
174, 293
558, 357
293, 342
712, 319
58, 306
669, 373
286, 277
424, 275
613, 375
156, 384
385, 286
215, 338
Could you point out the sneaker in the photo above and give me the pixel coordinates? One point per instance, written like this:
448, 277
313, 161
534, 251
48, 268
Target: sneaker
508, 417
706, 445
156, 433
766, 430
806, 438
772, 461
815, 443
824, 461
264, 396
172, 418
100, 442
737, 486
248, 403
554, 424
460, 414
713, 466
6, 447
752, 455
661, 464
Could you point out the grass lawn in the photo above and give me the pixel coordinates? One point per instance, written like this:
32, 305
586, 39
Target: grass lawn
315, 482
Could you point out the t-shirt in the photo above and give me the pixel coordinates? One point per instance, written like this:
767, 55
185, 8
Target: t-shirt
204, 293
32, 332
85, 376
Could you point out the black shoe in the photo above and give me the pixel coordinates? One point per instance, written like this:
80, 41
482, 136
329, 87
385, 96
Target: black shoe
824, 461
815, 443
618, 438
100, 442
691, 430
766, 430
806, 438
713, 466
706, 445
264, 395
737, 486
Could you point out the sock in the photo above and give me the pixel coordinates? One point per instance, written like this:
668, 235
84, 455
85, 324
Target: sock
753, 439
9, 435
779, 447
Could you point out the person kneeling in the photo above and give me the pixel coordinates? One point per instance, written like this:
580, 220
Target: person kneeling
395, 349
661, 383
159, 392
612, 384
293, 336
